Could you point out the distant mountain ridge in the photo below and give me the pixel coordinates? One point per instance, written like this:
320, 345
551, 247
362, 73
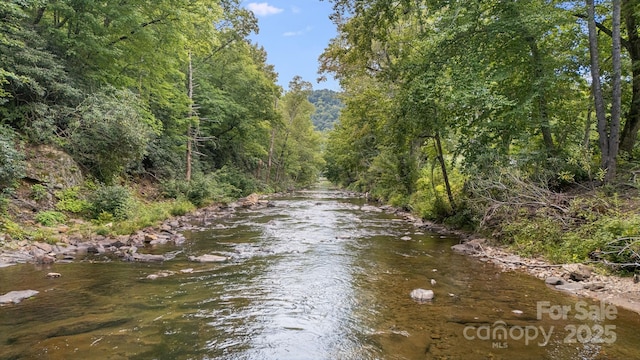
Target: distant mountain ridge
328, 106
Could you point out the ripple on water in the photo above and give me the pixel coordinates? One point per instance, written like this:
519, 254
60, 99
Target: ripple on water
313, 277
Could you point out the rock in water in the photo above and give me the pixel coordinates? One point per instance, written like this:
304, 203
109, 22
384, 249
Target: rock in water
17, 296
422, 295
207, 258
553, 280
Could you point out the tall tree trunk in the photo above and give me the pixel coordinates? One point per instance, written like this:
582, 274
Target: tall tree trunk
445, 175
271, 146
603, 138
616, 98
587, 131
190, 116
543, 112
270, 160
629, 134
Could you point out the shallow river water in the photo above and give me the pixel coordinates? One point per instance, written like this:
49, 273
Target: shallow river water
318, 276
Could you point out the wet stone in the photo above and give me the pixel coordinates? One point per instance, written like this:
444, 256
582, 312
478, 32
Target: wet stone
554, 280
422, 295
17, 296
207, 258
570, 287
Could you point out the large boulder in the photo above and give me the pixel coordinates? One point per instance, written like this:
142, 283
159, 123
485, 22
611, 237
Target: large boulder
250, 201
46, 164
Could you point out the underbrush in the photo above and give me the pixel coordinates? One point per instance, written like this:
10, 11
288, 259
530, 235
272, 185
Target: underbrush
116, 209
594, 225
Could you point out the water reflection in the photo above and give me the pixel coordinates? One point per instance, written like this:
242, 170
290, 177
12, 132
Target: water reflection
314, 277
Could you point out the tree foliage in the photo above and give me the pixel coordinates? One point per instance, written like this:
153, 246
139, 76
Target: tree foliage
468, 88
126, 88
328, 106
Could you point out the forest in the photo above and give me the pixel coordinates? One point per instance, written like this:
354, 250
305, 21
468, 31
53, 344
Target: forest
516, 119
327, 105
167, 93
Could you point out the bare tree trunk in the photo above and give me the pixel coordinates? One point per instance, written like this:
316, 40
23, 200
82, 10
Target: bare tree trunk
445, 175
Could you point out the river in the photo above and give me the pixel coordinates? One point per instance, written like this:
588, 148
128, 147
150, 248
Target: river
319, 275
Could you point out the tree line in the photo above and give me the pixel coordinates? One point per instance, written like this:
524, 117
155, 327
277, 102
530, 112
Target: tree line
440, 88
514, 118
170, 90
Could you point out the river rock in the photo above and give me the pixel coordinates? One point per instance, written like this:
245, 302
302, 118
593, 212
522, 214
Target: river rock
464, 249
249, 201
54, 275
570, 287
577, 272
597, 286
147, 257
43, 246
554, 280
422, 295
45, 259
161, 274
207, 258
17, 296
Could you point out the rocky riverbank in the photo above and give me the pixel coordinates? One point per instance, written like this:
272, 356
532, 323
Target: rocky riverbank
576, 279
134, 247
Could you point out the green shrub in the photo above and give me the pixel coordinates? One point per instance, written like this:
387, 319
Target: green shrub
14, 230
181, 207
50, 218
111, 132
114, 199
235, 183
38, 192
200, 190
174, 189
197, 191
71, 200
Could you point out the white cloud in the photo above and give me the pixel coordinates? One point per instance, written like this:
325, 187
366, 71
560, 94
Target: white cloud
293, 33
297, 33
296, 10
263, 9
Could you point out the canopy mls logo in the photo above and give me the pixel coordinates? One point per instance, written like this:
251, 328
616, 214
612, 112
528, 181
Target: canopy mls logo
500, 333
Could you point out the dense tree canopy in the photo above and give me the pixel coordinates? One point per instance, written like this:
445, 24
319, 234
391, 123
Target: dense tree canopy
328, 106
128, 88
475, 89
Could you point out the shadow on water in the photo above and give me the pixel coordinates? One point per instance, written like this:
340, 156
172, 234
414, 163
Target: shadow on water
317, 276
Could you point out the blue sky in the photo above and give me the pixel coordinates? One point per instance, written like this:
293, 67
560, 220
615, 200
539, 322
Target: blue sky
294, 33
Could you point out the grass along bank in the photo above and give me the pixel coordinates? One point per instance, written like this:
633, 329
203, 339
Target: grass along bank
35, 213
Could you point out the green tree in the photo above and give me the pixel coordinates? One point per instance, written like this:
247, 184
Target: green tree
328, 105
110, 132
